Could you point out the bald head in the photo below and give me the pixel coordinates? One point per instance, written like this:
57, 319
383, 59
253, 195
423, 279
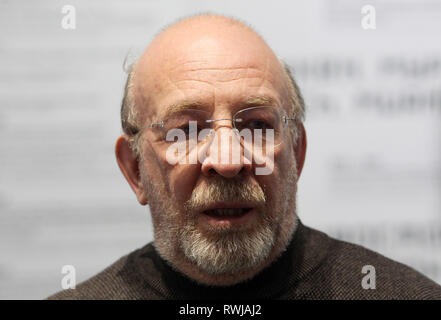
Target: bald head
194, 57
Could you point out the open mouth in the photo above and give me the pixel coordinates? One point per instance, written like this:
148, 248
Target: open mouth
227, 212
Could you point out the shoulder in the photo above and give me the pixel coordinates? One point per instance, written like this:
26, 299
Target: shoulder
350, 271
118, 281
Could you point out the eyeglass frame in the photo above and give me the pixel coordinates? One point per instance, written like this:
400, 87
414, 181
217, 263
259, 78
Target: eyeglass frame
160, 124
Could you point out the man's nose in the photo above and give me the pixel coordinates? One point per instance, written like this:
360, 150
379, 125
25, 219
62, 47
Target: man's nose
225, 155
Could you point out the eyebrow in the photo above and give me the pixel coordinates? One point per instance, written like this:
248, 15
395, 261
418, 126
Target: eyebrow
251, 101
182, 106
254, 101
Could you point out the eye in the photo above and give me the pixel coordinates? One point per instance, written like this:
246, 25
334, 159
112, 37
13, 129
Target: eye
258, 124
185, 128
188, 128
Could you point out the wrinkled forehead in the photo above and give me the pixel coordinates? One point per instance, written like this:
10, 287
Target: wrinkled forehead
187, 64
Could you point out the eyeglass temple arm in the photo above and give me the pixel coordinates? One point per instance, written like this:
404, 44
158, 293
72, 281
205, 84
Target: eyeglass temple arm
154, 124
285, 118
214, 120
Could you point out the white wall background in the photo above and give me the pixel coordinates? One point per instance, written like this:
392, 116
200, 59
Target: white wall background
372, 173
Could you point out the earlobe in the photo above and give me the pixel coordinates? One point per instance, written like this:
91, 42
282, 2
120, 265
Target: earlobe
129, 165
300, 148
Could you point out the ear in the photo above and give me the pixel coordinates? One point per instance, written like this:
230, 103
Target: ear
129, 165
300, 148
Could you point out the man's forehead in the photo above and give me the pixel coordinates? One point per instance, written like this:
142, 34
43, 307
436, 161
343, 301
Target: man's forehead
219, 66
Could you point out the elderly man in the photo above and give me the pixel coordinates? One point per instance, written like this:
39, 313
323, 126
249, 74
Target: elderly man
224, 209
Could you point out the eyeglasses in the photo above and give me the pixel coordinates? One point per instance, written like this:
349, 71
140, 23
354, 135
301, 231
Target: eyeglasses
266, 123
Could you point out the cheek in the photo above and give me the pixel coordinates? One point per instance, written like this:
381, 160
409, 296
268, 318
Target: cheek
182, 181
155, 170
275, 184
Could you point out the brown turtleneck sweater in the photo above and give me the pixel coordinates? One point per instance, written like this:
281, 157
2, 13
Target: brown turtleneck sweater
314, 266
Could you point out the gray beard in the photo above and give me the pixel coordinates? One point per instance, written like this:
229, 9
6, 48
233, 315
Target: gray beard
220, 251
230, 252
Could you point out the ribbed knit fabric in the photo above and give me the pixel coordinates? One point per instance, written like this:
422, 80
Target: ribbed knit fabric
314, 266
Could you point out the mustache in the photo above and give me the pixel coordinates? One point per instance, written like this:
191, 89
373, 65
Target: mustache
220, 189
